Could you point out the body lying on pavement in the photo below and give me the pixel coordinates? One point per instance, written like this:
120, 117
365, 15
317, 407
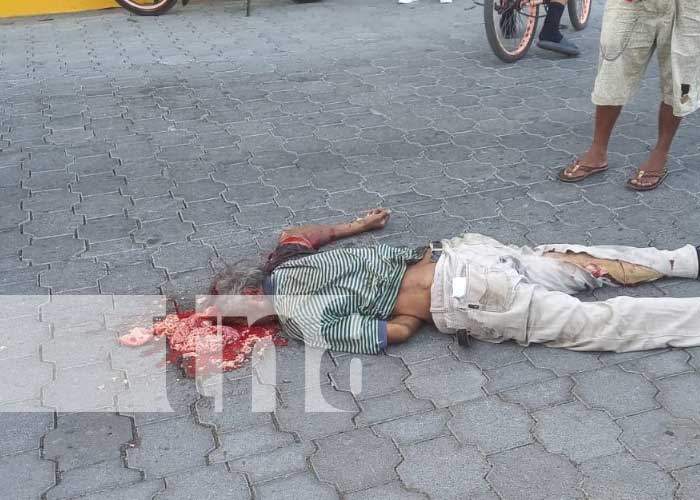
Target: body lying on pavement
361, 299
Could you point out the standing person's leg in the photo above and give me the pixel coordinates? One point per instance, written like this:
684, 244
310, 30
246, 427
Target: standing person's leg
595, 159
550, 35
627, 41
652, 173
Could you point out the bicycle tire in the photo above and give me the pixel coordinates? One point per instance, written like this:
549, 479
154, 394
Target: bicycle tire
579, 13
492, 30
158, 8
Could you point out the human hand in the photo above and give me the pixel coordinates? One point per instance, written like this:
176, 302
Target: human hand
376, 218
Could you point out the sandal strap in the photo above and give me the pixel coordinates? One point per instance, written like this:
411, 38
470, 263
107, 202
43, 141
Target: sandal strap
641, 174
572, 169
576, 166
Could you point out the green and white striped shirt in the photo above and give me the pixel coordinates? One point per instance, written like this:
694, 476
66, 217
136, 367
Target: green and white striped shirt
340, 299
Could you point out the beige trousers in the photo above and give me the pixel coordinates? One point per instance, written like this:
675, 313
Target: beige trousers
498, 292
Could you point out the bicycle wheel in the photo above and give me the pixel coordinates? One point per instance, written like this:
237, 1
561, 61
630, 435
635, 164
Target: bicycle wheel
147, 7
510, 27
579, 13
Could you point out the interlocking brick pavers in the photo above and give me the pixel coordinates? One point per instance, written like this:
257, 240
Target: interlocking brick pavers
443, 468
355, 460
389, 407
659, 437
660, 365
626, 394
541, 394
239, 444
84, 387
379, 375
206, 483
144, 490
25, 377
26, 475
487, 355
104, 475
689, 485
390, 491
679, 395
85, 439
128, 164
499, 425
170, 446
514, 375
445, 381
297, 486
415, 428
621, 476
562, 362
313, 415
518, 473
237, 409
576, 432
156, 396
34, 334
22, 425
275, 464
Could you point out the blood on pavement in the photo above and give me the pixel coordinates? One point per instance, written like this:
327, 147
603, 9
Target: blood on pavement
193, 339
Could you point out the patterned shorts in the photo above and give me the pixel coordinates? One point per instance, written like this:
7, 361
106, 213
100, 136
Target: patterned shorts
631, 32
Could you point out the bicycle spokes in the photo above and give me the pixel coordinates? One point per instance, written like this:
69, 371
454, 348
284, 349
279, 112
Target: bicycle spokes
516, 21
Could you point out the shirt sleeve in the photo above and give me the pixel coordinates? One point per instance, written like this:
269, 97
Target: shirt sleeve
287, 239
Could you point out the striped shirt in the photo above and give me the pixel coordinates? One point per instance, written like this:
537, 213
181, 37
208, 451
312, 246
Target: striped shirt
341, 299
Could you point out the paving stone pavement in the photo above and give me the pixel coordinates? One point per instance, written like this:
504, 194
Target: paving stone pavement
135, 150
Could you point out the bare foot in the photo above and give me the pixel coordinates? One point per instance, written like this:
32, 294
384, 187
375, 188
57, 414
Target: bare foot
594, 159
591, 162
652, 172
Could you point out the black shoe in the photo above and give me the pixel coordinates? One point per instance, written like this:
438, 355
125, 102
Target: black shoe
563, 46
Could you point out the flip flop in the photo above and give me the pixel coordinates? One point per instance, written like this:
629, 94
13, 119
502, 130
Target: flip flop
585, 172
660, 176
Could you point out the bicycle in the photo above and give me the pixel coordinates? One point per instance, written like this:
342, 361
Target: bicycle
149, 7
511, 25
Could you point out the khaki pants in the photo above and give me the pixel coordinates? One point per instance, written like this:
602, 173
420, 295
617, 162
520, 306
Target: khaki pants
631, 33
497, 292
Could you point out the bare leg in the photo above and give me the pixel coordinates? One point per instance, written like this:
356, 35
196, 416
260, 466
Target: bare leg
656, 163
596, 158
605, 119
619, 271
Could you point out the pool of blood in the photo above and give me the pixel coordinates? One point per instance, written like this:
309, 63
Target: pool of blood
195, 341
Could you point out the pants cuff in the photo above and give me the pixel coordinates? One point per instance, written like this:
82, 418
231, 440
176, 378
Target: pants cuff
687, 264
605, 101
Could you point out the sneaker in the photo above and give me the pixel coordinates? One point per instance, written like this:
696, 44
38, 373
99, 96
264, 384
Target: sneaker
407, 1
445, 1
564, 46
